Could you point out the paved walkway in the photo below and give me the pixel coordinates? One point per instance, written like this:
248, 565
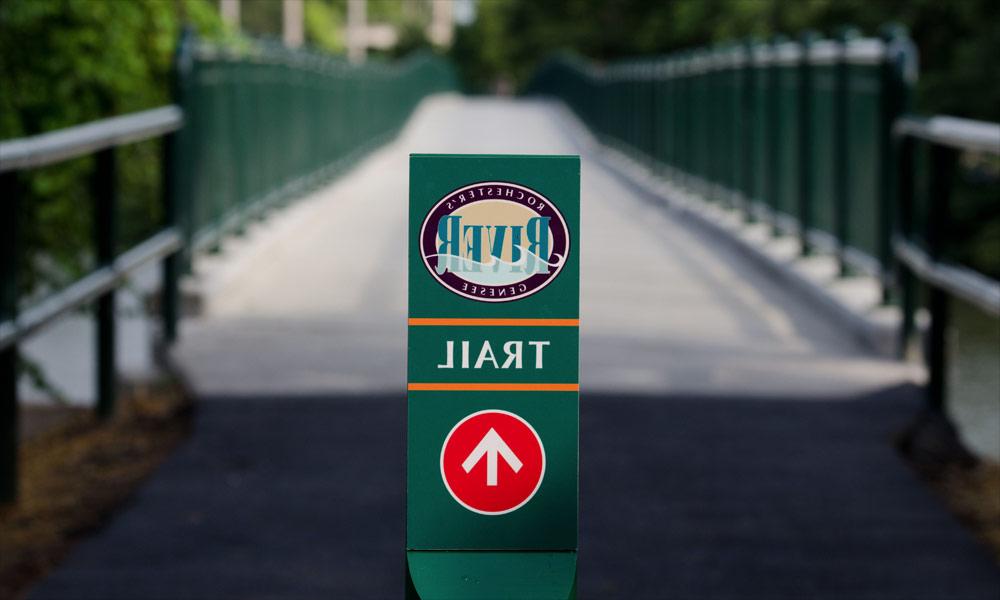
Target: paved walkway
315, 304
732, 445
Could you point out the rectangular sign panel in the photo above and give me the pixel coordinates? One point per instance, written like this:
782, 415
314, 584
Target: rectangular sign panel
493, 367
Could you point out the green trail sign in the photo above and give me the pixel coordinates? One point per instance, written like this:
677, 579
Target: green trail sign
493, 376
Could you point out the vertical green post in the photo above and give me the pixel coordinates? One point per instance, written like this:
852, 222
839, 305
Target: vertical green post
8, 355
169, 300
747, 133
898, 73
774, 134
805, 142
105, 191
181, 169
841, 146
942, 170
904, 224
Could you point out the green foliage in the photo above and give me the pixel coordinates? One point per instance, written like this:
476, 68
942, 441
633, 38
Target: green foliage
261, 18
324, 23
958, 40
66, 62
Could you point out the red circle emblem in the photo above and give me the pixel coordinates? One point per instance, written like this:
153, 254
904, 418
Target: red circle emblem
492, 462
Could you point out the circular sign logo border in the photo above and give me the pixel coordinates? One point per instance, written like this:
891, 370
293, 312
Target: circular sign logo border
549, 203
541, 475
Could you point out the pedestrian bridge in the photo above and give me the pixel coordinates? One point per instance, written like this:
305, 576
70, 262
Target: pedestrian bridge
317, 303
736, 432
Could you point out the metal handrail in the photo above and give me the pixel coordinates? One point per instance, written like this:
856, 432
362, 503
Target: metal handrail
961, 134
89, 287
956, 280
72, 142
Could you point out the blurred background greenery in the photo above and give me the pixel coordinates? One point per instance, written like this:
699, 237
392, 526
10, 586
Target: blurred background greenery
64, 62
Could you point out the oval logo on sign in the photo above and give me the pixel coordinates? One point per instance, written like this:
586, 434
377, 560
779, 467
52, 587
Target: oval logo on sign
494, 241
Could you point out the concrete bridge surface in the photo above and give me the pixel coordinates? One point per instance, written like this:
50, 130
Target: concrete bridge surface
733, 443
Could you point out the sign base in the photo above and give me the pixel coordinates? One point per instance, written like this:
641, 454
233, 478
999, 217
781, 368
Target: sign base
460, 575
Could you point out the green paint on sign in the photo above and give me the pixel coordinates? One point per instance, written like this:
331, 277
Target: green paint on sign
493, 350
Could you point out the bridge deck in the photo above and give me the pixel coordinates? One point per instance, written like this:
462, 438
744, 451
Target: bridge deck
733, 445
316, 298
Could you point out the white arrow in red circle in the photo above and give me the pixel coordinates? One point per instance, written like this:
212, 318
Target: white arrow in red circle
491, 445
492, 436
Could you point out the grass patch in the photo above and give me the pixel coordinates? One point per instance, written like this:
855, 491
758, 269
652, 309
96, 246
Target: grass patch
973, 494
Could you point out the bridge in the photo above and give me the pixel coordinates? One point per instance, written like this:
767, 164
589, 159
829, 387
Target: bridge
741, 383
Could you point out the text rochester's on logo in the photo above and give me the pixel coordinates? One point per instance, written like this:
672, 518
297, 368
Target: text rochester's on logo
494, 241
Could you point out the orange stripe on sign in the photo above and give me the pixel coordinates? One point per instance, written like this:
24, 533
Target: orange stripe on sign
493, 387
498, 322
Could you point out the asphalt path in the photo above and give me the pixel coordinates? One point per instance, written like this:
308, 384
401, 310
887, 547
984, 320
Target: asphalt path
681, 497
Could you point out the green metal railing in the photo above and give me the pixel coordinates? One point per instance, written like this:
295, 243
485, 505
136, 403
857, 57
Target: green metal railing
811, 136
923, 232
252, 127
268, 123
797, 133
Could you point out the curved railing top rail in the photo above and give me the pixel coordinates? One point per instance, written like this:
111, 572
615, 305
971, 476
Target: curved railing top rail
72, 142
964, 283
276, 53
851, 49
962, 134
961, 282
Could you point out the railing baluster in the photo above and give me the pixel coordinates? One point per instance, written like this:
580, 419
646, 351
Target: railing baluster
105, 190
169, 295
942, 168
805, 142
841, 158
904, 224
8, 355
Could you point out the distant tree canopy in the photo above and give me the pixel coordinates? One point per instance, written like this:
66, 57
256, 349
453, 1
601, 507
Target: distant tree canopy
67, 62
958, 40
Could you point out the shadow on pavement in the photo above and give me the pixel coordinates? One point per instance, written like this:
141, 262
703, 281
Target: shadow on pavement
681, 497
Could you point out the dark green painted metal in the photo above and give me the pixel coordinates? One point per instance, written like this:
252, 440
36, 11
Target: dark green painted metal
806, 140
170, 295
863, 124
904, 223
268, 124
529, 552
938, 223
105, 236
262, 124
467, 575
806, 150
841, 151
9, 235
896, 94
928, 157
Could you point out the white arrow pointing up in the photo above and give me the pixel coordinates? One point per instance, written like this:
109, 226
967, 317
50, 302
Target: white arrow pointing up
491, 445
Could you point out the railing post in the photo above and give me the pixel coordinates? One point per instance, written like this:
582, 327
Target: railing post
8, 356
942, 168
169, 296
773, 129
747, 138
105, 190
181, 168
805, 142
897, 75
904, 225
841, 160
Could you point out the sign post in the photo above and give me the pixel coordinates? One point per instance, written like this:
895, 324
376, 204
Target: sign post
493, 376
